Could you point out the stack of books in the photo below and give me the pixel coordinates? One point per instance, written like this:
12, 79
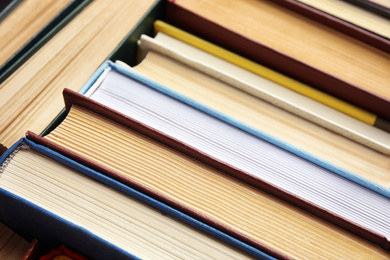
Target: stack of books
187, 129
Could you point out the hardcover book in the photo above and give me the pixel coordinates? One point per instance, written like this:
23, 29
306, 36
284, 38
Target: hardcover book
265, 84
68, 203
226, 93
155, 164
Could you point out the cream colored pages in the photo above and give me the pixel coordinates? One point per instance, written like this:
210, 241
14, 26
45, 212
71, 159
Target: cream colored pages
244, 151
32, 97
105, 212
269, 91
353, 14
210, 193
300, 38
384, 3
24, 22
323, 143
